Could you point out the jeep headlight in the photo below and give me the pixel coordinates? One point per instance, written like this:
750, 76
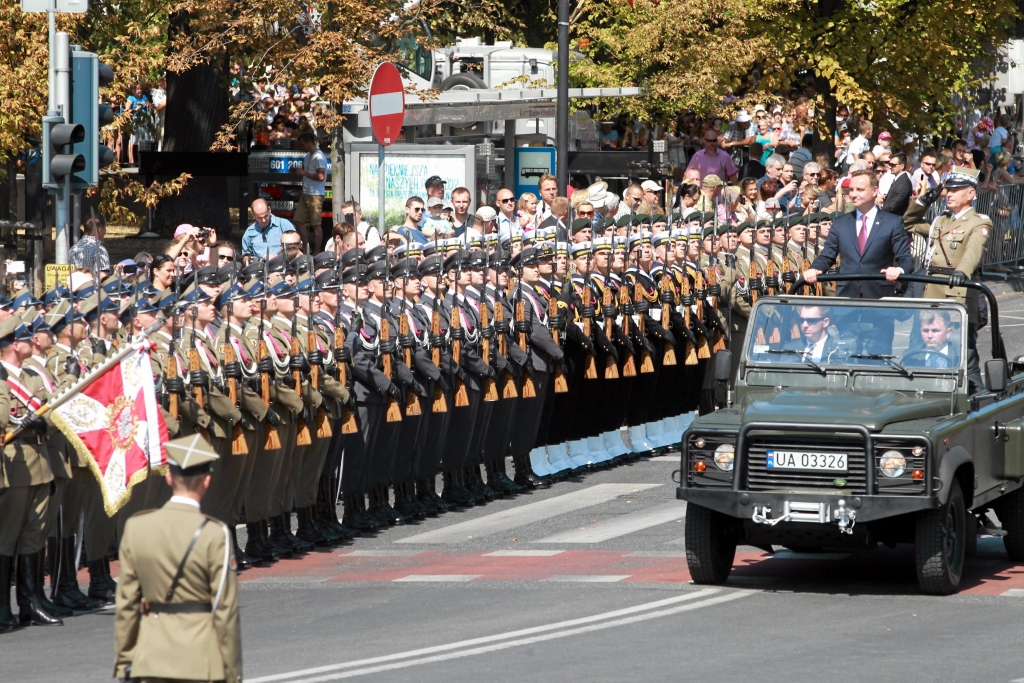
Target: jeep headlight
892, 463
725, 455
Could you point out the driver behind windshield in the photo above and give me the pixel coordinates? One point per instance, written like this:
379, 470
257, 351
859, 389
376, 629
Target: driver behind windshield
938, 351
815, 343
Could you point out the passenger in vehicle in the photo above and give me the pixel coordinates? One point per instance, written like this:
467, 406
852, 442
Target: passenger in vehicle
815, 343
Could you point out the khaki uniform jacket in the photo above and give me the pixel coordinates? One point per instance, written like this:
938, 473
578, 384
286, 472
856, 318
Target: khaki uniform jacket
249, 400
282, 398
956, 244
26, 460
204, 646
311, 398
221, 411
55, 364
57, 446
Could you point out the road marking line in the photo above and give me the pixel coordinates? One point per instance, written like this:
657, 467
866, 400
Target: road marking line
438, 578
622, 525
571, 623
711, 601
587, 578
381, 553
526, 514
1014, 593
665, 458
676, 541
524, 553
658, 553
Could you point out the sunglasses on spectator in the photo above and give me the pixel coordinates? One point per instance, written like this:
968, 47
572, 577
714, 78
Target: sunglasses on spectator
712, 141
291, 245
585, 213
810, 321
812, 175
506, 200
417, 209
894, 164
225, 257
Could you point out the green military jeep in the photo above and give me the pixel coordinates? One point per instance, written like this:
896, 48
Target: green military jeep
852, 423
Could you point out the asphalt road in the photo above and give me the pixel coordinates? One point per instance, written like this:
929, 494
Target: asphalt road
587, 581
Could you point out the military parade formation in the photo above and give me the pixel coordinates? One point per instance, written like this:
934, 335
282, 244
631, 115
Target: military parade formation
296, 382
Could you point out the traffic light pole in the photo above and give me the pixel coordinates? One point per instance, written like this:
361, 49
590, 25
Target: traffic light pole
61, 59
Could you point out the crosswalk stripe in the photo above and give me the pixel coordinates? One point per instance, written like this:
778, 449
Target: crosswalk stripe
524, 553
626, 524
381, 553
438, 578
1014, 593
587, 578
526, 514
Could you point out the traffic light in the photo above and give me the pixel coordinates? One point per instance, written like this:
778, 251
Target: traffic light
88, 75
59, 158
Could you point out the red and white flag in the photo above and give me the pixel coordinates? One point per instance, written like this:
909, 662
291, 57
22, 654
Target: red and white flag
116, 424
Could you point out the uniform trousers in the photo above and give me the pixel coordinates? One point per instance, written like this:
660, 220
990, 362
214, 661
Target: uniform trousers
23, 510
528, 413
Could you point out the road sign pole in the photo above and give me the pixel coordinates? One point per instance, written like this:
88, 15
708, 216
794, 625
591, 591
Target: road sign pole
562, 108
387, 115
381, 188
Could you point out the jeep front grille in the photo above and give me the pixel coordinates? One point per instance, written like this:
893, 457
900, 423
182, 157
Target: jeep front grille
760, 478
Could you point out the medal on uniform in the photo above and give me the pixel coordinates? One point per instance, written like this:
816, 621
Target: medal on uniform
953, 245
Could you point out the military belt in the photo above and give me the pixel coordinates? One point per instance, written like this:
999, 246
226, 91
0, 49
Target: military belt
191, 607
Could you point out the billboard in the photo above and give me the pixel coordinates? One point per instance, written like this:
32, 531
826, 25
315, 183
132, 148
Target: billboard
407, 170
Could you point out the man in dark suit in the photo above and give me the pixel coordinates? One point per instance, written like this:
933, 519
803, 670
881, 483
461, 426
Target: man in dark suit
558, 218
897, 198
867, 241
815, 343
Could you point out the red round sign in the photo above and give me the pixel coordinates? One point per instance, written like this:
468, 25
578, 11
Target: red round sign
387, 103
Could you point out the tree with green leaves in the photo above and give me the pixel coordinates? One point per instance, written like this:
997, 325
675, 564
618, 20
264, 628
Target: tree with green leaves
898, 61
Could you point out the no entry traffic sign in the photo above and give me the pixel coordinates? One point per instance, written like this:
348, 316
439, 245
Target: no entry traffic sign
387, 103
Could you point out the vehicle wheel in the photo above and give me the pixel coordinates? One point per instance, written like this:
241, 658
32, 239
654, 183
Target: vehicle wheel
939, 545
710, 546
1011, 514
463, 81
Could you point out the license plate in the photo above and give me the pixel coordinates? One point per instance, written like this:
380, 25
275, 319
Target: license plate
281, 206
804, 460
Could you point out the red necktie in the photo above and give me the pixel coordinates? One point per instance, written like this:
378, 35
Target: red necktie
862, 238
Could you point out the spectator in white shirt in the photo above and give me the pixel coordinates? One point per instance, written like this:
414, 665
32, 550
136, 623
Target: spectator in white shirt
353, 215
926, 173
861, 143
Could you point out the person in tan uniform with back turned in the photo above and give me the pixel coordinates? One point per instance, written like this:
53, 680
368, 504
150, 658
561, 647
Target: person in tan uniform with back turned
177, 593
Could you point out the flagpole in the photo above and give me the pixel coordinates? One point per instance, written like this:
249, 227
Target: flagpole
84, 383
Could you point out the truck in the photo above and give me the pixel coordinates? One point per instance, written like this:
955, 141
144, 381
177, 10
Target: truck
851, 423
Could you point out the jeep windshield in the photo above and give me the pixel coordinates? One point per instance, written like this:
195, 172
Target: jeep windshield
826, 334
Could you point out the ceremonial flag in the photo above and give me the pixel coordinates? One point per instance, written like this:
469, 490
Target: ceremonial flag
116, 424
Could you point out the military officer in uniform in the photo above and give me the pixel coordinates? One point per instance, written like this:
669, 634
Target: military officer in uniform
956, 246
177, 593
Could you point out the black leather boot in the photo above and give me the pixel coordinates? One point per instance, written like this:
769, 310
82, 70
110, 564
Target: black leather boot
277, 539
406, 504
400, 517
307, 529
255, 545
455, 493
474, 475
427, 494
409, 494
298, 543
98, 589
525, 476
244, 560
47, 605
30, 594
328, 511
500, 475
353, 517
7, 620
68, 593
279, 550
